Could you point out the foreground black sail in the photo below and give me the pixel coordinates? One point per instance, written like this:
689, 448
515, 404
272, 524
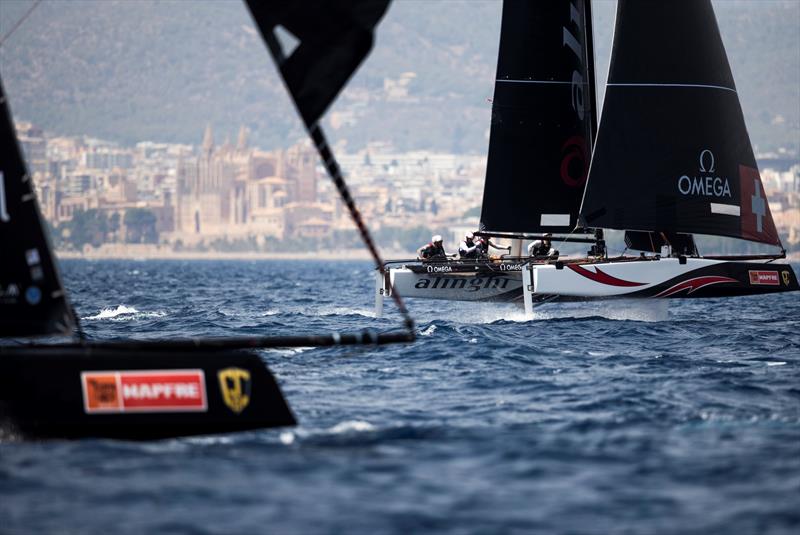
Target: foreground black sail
672, 152
543, 118
32, 299
332, 39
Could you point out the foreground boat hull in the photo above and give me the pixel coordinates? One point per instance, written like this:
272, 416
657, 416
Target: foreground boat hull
137, 395
655, 278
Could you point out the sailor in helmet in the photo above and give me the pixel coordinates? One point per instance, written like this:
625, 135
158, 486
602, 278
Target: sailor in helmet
541, 247
433, 250
483, 245
468, 248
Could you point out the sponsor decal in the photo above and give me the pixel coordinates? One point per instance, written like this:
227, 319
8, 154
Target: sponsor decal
439, 269
574, 162
234, 383
9, 294
32, 257
575, 156
33, 295
705, 183
4, 217
144, 391
576, 46
694, 284
764, 278
756, 219
785, 276
462, 283
602, 277
510, 267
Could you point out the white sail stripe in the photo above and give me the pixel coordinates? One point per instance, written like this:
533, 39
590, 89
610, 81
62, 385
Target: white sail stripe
554, 220
533, 81
725, 209
702, 86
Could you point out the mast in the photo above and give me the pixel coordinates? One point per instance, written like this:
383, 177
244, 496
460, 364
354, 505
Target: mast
543, 118
32, 298
672, 151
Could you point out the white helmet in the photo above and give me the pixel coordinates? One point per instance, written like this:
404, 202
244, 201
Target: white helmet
436, 238
469, 236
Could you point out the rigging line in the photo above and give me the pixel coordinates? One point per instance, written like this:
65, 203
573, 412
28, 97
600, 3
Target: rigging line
334, 171
19, 22
571, 232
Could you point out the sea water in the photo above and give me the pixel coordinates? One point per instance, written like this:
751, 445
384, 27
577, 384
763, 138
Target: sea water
678, 416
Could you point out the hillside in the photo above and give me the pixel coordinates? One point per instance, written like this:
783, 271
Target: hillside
158, 70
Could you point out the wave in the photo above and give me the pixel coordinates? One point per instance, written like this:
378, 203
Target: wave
336, 311
351, 426
123, 313
428, 330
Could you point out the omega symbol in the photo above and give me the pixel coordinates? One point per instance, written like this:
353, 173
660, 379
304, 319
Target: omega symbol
702, 161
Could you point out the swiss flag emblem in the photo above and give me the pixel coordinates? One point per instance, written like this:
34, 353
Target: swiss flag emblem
756, 219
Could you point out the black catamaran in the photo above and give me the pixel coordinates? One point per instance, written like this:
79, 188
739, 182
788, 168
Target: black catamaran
544, 119
155, 389
672, 159
136, 390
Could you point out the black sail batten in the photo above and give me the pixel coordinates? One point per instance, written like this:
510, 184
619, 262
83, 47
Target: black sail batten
543, 118
672, 151
32, 298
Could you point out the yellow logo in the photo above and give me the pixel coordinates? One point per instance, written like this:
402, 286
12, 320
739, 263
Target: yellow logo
235, 386
785, 275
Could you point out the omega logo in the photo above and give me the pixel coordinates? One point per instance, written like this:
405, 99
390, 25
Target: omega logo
706, 183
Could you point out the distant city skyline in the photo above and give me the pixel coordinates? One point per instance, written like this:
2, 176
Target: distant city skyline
225, 196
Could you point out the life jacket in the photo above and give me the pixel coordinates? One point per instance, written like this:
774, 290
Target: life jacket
467, 249
431, 250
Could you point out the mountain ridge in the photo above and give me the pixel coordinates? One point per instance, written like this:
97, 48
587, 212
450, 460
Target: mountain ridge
149, 70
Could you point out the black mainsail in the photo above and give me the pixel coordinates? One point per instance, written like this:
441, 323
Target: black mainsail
543, 118
672, 152
32, 299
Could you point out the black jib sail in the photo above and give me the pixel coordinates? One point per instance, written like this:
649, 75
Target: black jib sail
672, 153
543, 118
32, 299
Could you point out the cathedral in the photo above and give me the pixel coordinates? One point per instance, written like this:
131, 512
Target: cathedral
238, 191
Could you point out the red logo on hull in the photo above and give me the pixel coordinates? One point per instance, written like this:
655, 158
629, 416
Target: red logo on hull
144, 391
764, 278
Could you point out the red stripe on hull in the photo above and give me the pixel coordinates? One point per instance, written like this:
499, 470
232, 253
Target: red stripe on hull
695, 284
602, 277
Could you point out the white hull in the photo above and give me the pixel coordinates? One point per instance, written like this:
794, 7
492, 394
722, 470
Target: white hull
450, 286
667, 277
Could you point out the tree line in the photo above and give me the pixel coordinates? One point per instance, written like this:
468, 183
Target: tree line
96, 227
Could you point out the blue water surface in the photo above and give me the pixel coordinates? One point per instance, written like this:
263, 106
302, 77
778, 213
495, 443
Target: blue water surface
613, 418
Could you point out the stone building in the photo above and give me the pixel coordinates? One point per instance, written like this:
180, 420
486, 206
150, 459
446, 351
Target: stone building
229, 191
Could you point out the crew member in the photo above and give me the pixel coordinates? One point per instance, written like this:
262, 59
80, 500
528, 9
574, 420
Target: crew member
468, 248
541, 247
433, 250
483, 245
